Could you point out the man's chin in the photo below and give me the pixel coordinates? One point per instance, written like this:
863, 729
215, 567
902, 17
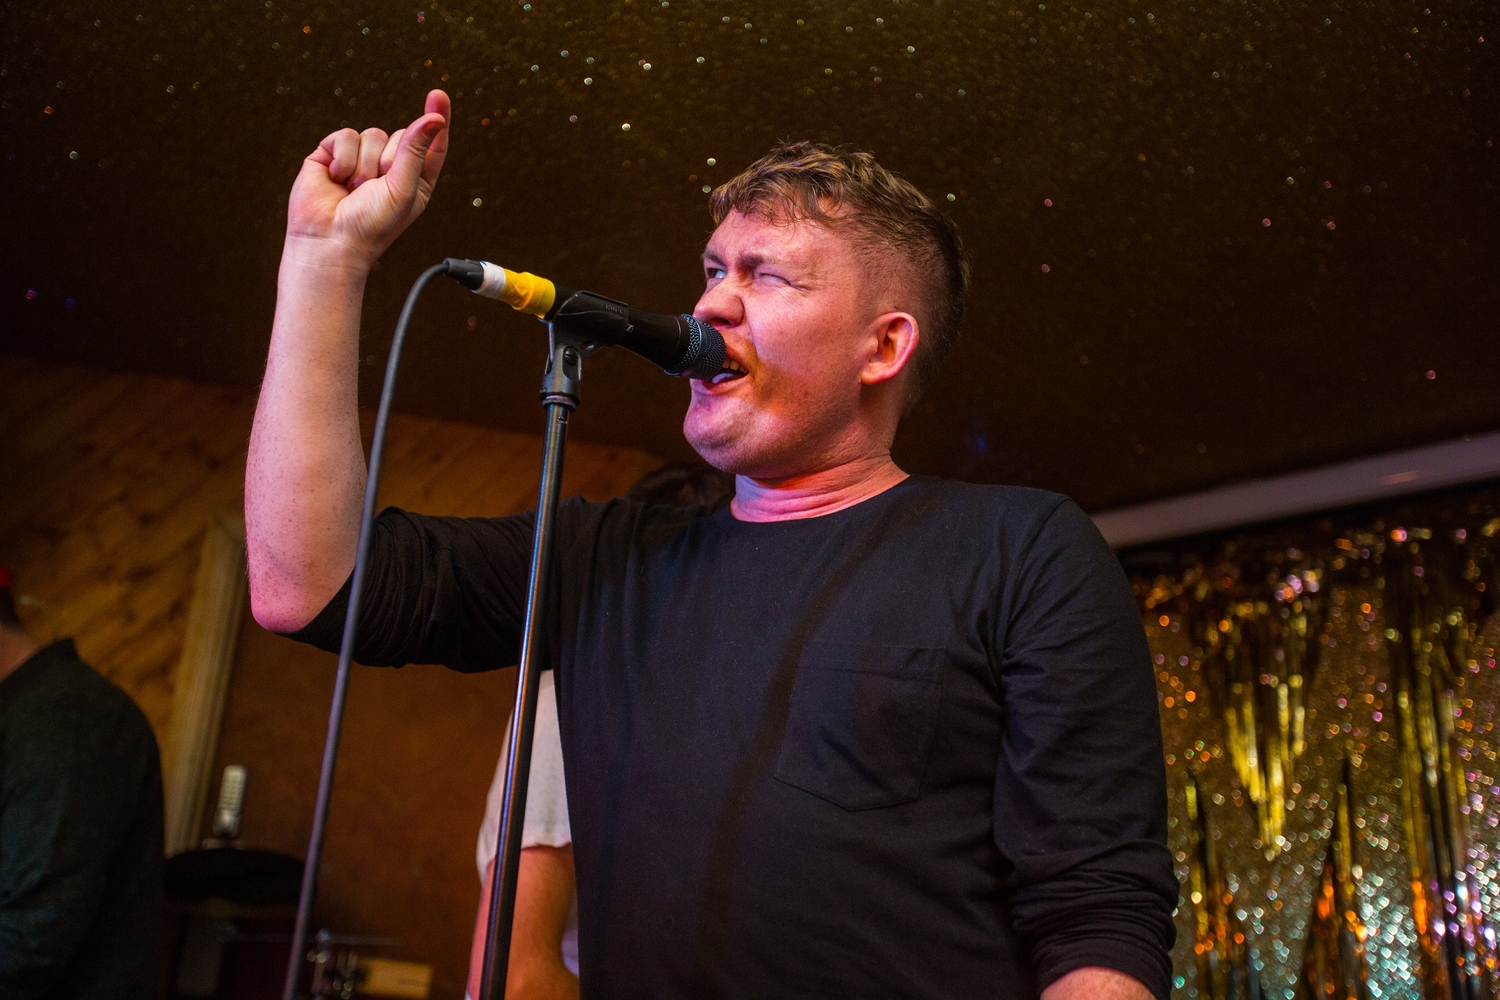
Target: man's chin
717, 442
715, 449
737, 455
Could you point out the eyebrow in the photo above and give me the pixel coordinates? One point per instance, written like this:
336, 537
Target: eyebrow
748, 261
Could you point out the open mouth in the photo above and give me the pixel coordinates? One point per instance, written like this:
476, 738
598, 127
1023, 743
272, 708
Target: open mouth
730, 372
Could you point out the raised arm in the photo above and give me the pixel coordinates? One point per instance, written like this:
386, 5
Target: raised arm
305, 476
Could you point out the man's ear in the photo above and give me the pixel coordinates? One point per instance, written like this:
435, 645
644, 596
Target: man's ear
894, 338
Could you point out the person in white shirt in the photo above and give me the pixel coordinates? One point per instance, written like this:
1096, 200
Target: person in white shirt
544, 937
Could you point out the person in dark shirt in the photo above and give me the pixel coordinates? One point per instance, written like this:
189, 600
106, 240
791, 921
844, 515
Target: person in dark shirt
81, 836
853, 733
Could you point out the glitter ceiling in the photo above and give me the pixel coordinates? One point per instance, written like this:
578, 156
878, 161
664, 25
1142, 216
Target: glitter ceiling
1212, 240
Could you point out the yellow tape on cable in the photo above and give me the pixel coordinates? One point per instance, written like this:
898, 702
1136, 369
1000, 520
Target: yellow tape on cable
523, 291
528, 293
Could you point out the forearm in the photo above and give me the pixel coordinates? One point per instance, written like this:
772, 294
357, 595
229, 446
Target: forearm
544, 896
305, 473
1096, 983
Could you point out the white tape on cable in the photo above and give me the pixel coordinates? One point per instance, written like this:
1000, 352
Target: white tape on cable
493, 285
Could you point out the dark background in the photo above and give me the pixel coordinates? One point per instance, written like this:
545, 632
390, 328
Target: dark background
1271, 241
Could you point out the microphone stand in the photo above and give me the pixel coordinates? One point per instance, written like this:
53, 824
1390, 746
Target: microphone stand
559, 399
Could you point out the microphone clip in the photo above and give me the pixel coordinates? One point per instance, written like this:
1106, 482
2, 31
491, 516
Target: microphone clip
568, 346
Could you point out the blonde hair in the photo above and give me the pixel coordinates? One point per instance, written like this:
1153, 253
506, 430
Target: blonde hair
892, 223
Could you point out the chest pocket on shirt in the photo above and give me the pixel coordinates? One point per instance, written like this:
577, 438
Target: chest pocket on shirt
860, 722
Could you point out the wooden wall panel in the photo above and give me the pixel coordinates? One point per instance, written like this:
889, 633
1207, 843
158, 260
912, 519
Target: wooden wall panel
200, 683
109, 482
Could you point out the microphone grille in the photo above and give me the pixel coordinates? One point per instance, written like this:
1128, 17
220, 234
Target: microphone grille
705, 353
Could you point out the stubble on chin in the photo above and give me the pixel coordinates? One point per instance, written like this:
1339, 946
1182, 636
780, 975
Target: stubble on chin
713, 437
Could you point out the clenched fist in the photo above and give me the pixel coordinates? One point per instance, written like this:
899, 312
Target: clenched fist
359, 190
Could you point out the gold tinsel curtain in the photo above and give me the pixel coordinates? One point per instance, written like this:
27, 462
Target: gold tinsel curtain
1328, 697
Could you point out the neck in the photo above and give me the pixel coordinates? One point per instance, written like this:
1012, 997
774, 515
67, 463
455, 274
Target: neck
814, 494
15, 649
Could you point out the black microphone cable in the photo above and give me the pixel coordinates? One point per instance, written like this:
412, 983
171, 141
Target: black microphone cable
346, 646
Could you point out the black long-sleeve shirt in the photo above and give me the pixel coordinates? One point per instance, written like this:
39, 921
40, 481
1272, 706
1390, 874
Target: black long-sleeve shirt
80, 835
907, 749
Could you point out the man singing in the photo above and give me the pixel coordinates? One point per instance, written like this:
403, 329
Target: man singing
852, 734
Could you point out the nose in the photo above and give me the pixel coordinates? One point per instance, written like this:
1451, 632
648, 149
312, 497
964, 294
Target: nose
720, 306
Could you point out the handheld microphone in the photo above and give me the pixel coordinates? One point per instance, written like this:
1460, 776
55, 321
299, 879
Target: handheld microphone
680, 344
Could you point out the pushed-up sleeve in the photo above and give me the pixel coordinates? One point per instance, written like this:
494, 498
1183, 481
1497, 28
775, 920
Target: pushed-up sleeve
1080, 791
442, 590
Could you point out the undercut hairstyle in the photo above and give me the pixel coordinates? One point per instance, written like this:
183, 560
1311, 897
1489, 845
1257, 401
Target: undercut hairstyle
895, 228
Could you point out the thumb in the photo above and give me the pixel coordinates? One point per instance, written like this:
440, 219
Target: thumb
411, 156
